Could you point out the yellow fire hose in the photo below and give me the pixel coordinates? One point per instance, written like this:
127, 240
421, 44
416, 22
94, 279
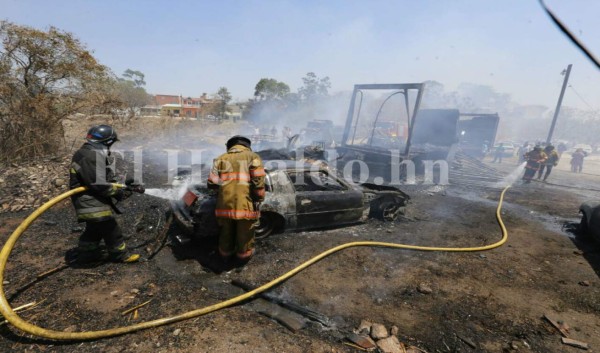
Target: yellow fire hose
25, 326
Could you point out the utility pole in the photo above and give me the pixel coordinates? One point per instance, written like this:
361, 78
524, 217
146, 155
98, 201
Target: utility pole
558, 104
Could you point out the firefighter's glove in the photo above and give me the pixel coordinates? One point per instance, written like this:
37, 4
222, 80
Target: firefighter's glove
122, 194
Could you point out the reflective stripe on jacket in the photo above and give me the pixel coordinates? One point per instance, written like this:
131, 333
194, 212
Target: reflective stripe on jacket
535, 159
240, 177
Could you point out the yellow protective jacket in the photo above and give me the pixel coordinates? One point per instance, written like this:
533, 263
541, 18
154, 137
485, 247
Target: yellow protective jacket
239, 176
535, 159
552, 157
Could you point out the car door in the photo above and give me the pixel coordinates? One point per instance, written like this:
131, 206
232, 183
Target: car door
323, 200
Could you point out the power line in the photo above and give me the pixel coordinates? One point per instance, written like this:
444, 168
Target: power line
583, 100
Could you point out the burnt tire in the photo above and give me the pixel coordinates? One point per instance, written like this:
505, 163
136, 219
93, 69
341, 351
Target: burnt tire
266, 225
390, 211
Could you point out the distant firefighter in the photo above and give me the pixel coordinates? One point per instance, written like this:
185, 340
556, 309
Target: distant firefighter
550, 163
499, 153
534, 159
577, 160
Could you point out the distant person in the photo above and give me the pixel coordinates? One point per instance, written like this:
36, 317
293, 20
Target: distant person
534, 160
274, 131
522, 151
550, 163
561, 148
577, 160
499, 153
485, 148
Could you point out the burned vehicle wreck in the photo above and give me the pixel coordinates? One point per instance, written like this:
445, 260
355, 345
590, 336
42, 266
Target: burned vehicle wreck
384, 126
298, 197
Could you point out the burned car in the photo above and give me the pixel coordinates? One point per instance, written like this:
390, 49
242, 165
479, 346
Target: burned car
298, 197
590, 219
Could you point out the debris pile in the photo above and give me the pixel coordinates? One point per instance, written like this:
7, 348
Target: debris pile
27, 186
371, 336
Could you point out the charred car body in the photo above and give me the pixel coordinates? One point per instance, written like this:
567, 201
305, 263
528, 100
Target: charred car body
590, 219
298, 197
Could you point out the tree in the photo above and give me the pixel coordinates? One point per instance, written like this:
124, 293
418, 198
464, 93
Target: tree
132, 93
269, 88
45, 76
224, 98
314, 87
137, 77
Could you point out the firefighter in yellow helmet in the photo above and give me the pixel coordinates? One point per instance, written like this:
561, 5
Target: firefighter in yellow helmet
534, 159
239, 176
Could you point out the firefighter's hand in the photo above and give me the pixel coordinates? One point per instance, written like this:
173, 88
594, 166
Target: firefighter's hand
122, 194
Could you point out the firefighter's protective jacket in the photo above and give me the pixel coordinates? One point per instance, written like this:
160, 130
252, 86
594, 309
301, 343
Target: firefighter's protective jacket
535, 159
90, 167
239, 176
552, 157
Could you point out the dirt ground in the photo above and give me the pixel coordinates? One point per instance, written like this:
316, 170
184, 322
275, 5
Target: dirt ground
490, 301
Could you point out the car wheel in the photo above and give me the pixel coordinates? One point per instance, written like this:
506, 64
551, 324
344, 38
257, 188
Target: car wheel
390, 211
583, 225
266, 226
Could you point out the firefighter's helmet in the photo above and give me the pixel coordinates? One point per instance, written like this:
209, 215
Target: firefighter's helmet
238, 140
104, 134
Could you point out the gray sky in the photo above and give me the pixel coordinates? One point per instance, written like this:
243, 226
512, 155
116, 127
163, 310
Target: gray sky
191, 47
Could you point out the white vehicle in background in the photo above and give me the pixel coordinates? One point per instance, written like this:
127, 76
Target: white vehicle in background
509, 149
587, 149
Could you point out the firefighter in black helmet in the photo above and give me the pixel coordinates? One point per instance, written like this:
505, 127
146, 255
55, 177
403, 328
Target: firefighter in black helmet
91, 167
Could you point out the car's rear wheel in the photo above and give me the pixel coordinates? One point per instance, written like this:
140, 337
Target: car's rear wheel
266, 225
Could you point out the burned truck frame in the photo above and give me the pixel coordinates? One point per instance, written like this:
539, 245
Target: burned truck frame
477, 133
389, 128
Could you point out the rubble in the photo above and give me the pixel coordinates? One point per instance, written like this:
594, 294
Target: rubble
424, 288
378, 331
575, 343
381, 340
390, 345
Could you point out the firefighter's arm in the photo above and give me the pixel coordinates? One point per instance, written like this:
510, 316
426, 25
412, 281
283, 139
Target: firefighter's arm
214, 180
257, 179
88, 173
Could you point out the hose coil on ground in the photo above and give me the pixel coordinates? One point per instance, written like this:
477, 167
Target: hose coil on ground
15, 320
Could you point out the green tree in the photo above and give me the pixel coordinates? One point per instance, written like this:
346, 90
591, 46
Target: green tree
132, 93
224, 99
269, 88
45, 76
137, 77
314, 87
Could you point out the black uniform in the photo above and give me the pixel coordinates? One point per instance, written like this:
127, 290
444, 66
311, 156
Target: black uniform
90, 167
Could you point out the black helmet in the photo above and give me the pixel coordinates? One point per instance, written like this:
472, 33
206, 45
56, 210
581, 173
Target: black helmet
104, 134
238, 140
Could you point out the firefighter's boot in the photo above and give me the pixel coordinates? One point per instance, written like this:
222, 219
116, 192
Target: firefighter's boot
120, 254
89, 252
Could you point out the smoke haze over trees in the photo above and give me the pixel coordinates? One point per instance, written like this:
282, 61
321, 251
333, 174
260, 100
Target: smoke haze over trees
517, 121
